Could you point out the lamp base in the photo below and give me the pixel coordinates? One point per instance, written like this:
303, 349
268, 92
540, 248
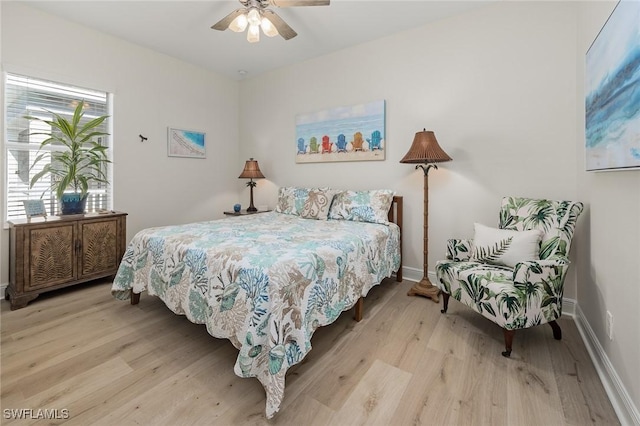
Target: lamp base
426, 289
252, 209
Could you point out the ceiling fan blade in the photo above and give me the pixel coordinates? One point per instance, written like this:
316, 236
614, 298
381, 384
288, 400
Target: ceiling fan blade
283, 28
224, 23
292, 3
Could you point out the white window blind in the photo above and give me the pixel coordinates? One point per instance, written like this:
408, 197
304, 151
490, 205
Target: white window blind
25, 96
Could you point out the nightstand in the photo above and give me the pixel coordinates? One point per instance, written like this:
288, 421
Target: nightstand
244, 212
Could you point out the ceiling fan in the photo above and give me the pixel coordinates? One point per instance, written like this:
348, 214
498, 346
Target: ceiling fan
256, 14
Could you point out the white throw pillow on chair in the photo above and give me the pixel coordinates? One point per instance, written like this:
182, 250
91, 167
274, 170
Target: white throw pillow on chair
503, 246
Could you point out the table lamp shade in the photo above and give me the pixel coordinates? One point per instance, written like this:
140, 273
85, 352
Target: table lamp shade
251, 170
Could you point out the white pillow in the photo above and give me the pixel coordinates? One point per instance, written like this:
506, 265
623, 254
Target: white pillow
503, 246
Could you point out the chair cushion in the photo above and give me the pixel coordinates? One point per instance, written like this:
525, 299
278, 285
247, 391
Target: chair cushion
505, 247
525, 297
487, 289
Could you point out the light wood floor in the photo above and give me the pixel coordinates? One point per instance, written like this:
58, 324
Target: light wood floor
110, 363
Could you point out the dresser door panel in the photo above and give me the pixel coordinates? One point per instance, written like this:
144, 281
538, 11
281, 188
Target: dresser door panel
52, 256
99, 253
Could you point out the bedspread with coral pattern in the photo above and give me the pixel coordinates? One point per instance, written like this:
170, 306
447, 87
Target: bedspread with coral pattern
266, 282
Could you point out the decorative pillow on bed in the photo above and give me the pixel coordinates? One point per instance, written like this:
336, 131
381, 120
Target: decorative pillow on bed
362, 206
291, 200
309, 203
317, 204
505, 247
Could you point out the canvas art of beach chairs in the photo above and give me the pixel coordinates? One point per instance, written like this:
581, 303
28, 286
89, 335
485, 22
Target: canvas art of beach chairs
356, 144
354, 133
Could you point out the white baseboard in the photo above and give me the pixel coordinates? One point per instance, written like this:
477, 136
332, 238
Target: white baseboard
623, 405
411, 274
415, 274
569, 307
3, 288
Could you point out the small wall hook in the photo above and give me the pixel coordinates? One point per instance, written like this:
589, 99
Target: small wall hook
142, 138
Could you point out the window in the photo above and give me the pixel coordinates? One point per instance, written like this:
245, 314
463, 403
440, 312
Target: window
25, 96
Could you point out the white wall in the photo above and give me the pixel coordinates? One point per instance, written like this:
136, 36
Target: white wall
608, 261
497, 85
151, 91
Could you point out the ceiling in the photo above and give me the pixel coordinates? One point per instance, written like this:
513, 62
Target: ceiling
182, 29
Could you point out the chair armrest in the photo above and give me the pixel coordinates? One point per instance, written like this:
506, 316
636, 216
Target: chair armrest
538, 266
458, 249
543, 280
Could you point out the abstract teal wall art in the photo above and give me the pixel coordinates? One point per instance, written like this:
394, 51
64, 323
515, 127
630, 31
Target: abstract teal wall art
186, 143
613, 92
348, 133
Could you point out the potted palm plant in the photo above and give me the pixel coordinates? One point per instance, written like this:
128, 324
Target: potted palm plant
80, 163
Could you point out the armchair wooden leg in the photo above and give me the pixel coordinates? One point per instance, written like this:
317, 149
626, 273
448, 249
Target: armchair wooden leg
445, 303
557, 331
508, 341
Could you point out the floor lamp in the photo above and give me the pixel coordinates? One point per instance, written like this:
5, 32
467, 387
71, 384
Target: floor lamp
251, 171
425, 151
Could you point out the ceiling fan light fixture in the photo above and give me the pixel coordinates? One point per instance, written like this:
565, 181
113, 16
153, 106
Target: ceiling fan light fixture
268, 28
256, 14
253, 34
239, 24
253, 16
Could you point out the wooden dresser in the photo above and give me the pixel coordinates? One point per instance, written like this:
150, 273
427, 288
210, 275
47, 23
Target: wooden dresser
59, 251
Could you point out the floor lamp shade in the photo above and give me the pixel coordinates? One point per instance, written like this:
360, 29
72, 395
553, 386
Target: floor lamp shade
425, 149
251, 171
424, 152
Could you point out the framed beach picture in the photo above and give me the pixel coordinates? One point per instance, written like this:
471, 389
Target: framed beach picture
186, 143
34, 208
612, 90
347, 133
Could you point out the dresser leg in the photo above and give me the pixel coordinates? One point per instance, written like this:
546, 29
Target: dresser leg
20, 301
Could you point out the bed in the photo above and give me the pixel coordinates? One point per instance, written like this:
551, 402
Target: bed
267, 281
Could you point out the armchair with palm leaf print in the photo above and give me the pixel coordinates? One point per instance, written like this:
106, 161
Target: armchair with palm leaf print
513, 275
